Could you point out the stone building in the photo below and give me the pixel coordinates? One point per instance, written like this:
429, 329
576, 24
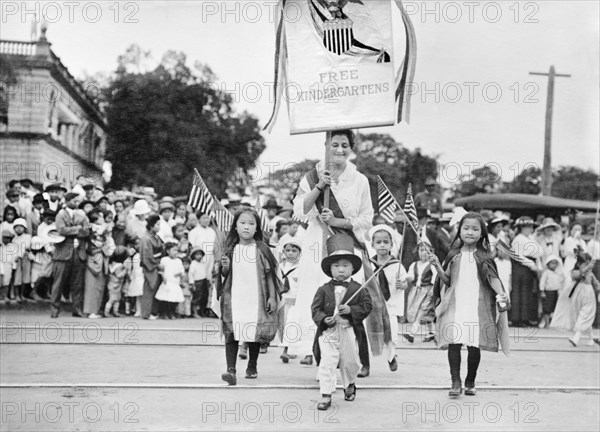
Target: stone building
50, 128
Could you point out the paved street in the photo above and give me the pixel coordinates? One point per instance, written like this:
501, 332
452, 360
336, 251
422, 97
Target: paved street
129, 374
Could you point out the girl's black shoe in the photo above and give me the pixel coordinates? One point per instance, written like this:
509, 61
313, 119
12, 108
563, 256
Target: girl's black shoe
251, 374
470, 389
456, 389
229, 377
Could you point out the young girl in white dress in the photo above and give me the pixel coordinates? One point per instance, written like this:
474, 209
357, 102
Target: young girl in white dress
135, 287
249, 292
170, 292
468, 313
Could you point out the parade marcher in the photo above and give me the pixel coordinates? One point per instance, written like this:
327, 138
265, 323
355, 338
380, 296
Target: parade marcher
576, 306
552, 282
338, 313
420, 308
70, 256
289, 274
392, 283
524, 293
249, 292
473, 301
151, 250
350, 211
495, 235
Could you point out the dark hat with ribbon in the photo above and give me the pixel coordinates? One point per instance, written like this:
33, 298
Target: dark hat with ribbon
340, 246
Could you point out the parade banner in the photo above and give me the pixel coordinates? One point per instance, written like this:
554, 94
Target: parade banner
334, 64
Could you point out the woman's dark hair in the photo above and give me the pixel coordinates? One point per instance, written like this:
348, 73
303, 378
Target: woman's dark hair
9, 209
121, 201
94, 214
176, 227
151, 220
484, 242
347, 133
233, 237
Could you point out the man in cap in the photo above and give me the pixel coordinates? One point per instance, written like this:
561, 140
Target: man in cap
70, 256
272, 209
54, 192
429, 199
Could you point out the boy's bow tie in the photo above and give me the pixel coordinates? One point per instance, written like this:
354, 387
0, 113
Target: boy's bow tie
340, 283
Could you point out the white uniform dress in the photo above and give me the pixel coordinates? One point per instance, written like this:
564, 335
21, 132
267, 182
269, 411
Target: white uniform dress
467, 302
354, 198
170, 288
244, 293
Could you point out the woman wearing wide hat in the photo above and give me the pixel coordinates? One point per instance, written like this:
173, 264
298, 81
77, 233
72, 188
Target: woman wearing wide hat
272, 209
524, 294
350, 211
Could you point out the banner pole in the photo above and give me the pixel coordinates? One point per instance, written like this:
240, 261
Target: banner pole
326, 191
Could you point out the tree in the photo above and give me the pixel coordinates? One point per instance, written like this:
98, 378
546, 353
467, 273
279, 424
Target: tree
166, 122
480, 180
575, 183
527, 182
380, 155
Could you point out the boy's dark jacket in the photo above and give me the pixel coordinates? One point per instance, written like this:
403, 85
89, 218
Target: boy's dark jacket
323, 306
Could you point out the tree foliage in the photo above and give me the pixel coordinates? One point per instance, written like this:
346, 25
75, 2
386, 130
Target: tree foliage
380, 155
575, 183
480, 180
167, 121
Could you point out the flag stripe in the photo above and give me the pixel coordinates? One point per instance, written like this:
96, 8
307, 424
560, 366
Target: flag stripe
409, 208
387, 203
200, 198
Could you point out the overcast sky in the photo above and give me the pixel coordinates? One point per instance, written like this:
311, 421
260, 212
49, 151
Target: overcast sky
487, 44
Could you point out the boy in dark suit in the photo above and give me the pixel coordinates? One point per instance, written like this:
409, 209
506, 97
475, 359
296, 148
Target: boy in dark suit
339, 313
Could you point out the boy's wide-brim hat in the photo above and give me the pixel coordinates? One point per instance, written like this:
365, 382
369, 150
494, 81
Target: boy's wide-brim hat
272, 203
196, 250
382, 227
340, 246
165, 205
292, 242
52, 235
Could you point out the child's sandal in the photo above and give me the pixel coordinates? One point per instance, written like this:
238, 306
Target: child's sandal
350, 392
325, 403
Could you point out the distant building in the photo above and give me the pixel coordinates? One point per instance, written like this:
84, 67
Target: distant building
50, 128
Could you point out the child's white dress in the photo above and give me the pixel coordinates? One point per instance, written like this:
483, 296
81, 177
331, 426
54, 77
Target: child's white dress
170, 288
136, 284
244, 293
467, 302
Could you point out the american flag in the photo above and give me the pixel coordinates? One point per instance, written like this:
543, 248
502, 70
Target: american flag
387, 202
200, 198
264, 219
409, 208
223, 217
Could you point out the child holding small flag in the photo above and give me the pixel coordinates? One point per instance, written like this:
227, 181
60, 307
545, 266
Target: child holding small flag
289, 274
473, 302
339, 306
249, 292
392, 283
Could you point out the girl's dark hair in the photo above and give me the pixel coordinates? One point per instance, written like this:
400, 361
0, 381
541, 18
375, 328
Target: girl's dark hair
484, 242
151, 220
170, 244
233, 237
121, 201
7, 209
279, 224
186, 260
94, 214
347, 133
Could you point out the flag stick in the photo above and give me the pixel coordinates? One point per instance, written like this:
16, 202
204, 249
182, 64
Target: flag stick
375, 273
401, 250
326, 190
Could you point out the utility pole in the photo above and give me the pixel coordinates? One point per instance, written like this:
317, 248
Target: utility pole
547, 170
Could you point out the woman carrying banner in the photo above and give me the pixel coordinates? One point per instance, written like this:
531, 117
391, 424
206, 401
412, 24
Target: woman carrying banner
350, 211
